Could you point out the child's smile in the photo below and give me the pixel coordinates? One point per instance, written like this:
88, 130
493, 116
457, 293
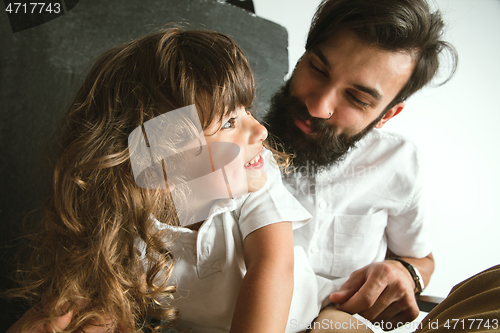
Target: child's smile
257, 162
242, 129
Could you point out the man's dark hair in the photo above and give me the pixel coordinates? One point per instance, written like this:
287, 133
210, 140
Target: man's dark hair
392, 25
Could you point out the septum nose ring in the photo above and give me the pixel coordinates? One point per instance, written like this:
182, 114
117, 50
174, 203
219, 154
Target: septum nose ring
329, 115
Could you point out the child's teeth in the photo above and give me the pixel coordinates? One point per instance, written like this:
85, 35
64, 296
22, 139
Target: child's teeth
254, 160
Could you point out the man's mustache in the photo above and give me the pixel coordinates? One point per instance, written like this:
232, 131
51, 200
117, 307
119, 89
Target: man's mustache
299, 111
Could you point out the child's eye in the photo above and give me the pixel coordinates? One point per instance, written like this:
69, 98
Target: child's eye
230, 123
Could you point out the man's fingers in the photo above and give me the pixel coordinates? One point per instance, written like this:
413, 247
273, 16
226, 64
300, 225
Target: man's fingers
388, 315
389, 303
381, 307
365, 297
360, 301
350, 287
340, 297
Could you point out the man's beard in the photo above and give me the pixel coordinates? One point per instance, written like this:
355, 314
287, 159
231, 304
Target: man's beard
319, 149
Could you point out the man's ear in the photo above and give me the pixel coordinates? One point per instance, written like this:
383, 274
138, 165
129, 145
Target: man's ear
395, 110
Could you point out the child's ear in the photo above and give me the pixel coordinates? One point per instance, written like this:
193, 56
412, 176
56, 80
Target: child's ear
394, 111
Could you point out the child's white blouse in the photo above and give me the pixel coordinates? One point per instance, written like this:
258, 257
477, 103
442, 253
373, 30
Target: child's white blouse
209, 264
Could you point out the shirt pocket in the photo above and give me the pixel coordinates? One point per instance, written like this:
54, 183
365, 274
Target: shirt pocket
357, 241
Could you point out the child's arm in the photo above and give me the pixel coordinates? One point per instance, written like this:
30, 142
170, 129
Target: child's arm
266, 291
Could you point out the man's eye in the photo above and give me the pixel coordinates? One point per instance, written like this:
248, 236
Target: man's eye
316, 69
229, 124
357, 101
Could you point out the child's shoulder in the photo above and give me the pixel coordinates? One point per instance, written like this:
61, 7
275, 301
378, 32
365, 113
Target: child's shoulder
273, 203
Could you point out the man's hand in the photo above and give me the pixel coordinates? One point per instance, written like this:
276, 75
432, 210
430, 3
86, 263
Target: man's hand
383, 291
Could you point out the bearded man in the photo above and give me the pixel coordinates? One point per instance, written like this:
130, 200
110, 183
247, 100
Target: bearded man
368, 242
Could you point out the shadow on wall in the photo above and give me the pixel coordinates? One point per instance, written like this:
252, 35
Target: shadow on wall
42, 67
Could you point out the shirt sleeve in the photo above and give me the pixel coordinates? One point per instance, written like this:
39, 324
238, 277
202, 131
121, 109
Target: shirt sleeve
407, 231
271, 204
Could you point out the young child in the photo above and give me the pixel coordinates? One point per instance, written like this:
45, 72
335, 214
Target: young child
123, 206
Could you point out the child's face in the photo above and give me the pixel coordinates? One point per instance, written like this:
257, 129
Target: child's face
242, 129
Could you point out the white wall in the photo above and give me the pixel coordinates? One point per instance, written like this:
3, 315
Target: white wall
455, 126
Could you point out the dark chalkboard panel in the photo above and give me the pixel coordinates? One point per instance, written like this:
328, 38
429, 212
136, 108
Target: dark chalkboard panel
41, 67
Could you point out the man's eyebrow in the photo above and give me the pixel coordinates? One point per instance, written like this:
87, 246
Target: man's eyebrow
371, 91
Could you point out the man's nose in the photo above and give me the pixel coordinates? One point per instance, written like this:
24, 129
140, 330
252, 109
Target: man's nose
321, 103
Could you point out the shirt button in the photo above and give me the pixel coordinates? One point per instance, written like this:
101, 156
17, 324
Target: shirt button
314, 249
323, 205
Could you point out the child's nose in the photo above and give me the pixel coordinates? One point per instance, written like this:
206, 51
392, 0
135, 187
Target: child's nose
259, 132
